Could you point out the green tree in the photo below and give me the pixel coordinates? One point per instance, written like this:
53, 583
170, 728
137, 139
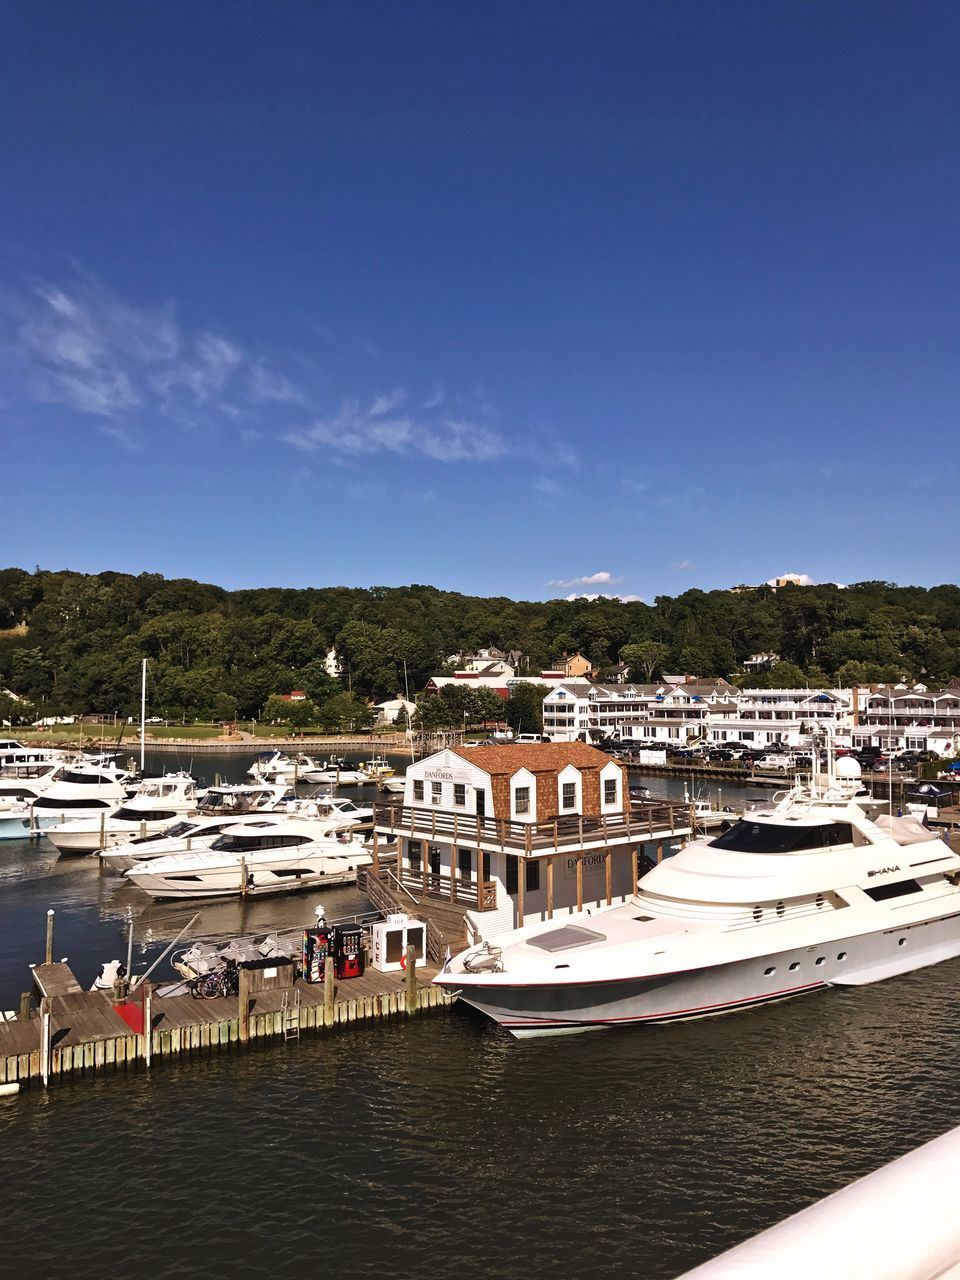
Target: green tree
644, 658
524, 708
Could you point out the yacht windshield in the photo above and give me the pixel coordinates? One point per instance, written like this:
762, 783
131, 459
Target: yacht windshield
770, 837
142, 815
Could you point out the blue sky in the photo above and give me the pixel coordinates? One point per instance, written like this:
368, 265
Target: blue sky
516, 298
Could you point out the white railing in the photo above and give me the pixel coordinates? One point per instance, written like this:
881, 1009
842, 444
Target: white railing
900, 1223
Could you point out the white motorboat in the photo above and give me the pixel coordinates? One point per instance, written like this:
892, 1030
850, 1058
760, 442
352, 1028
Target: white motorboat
275, 855
27, 781
14, 818
806, 893
189, 834
81, 791
274, 766
343, 809
219, 807
395, 785
377, 769
336, 772
153, 806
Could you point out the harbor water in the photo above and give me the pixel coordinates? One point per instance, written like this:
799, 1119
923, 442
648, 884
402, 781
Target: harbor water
443, 1148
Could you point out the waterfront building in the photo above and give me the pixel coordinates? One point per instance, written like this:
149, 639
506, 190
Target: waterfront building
909, 717
389, 712
506, 834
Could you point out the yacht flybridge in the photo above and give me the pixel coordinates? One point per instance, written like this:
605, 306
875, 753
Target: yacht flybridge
153, 806
807, 893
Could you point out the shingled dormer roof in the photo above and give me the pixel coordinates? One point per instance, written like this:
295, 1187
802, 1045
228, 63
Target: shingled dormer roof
544, 757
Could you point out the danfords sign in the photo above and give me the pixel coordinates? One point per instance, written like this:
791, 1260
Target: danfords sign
439, 774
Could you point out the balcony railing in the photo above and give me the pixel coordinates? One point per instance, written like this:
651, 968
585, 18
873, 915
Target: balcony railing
640, 822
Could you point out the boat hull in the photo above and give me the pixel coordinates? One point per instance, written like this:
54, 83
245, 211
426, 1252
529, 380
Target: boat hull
262, 879
552, 1008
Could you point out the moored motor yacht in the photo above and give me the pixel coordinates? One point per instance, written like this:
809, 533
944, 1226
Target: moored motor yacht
153, 806
197, 831
81, 791
337, 772
14, 818
805, 893
377, 769
274, 766
274, 855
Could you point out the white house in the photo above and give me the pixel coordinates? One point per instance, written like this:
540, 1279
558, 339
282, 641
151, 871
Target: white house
389, 712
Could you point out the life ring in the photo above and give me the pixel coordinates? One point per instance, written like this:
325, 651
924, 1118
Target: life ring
403, 960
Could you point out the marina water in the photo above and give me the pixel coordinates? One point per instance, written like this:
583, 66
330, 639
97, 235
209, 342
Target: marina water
444, 1147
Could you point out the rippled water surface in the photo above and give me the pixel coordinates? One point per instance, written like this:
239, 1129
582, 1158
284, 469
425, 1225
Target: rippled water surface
445, 1148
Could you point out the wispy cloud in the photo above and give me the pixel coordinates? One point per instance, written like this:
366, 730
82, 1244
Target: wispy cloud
603, 578
79, 345
681, 564
268, 384
547, 487
387, 403
356, 432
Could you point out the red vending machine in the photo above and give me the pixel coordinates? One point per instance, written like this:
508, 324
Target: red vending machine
317, 945
347, 951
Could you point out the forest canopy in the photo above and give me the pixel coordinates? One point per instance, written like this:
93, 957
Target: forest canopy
72, 642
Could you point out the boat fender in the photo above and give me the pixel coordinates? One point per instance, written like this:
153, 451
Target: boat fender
403, 960
9, 1090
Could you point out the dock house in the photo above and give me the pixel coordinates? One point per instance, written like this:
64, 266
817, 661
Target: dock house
490, 838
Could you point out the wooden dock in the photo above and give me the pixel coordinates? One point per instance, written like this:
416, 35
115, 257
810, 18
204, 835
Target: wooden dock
78, 1032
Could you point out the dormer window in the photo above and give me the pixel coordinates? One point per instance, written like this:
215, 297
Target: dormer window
609, 791
569, 796
521, 800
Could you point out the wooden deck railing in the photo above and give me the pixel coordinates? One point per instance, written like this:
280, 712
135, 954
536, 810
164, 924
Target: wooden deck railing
642, 821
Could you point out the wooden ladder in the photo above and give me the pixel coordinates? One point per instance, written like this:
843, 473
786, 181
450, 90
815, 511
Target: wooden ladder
290, 1015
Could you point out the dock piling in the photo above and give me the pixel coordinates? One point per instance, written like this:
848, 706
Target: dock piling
244, 999
26, 1003
411, 979
49, 952
329, 991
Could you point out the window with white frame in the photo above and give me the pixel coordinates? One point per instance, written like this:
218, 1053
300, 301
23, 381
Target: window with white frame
436, 792
568, 796
459, 794
609, 791
521, 800
418, 790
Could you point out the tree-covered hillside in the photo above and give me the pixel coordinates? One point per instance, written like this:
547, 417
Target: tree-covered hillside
73, 642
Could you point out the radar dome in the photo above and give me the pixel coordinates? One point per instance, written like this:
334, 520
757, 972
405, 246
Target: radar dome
848, 769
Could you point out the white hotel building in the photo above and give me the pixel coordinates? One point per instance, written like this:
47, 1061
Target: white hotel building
702, 711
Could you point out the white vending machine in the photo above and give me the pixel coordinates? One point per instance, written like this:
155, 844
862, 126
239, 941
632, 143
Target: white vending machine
392, 936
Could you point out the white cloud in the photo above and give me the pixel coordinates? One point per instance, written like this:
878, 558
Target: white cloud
435, 400
356, 432
681, 564
547, 487
267, 384
387, 403
603, 595
603, 578
801, 579
205, 372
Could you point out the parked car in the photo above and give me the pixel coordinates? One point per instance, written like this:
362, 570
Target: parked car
720, 753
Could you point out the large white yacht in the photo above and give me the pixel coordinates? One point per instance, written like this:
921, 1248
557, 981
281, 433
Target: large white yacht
81, 791
805, 893
273, 855
221, 807
153, 806
274, 766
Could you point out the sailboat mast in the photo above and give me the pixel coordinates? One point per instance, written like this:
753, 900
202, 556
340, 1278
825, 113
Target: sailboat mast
143, 714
